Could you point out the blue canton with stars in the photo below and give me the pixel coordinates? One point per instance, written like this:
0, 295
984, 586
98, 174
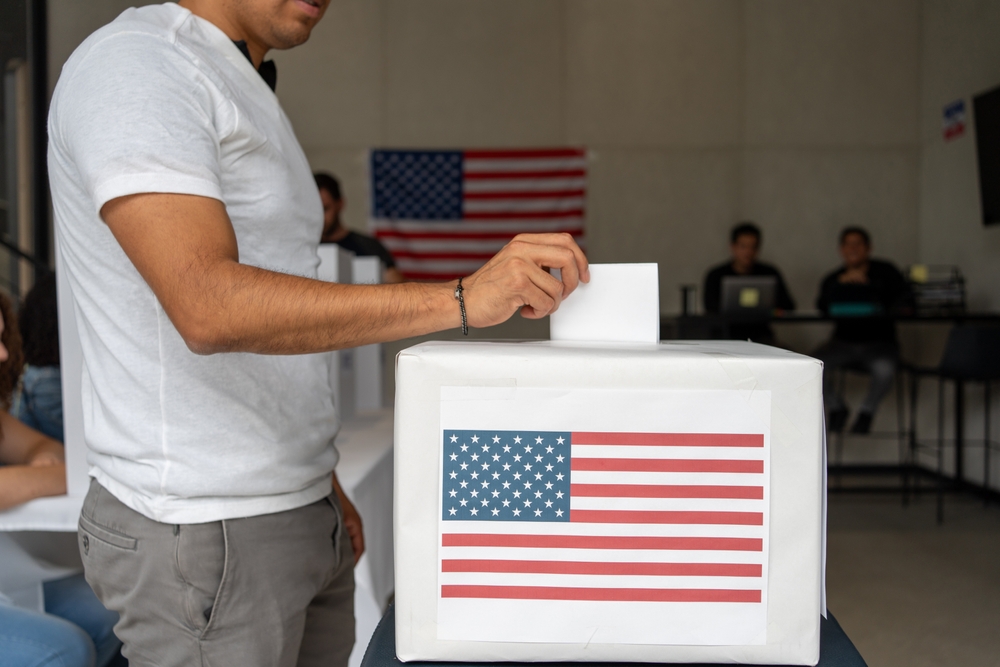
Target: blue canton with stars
417, 185
506, 475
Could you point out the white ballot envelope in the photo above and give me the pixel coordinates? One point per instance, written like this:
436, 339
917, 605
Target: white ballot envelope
620, 304
575, 501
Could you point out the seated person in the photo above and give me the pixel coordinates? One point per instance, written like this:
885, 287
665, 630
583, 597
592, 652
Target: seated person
38, 400
862, 286
74, 628
744, 245
335, 232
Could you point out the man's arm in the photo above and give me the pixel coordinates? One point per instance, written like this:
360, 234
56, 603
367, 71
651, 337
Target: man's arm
185, 249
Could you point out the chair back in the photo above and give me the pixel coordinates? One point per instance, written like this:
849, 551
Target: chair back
972, 353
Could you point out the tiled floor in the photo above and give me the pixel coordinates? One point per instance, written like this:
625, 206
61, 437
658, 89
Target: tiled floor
911, 593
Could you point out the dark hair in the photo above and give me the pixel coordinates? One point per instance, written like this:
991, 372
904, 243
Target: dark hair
39, 320
860, 231
745, 228
328, 182
10, 370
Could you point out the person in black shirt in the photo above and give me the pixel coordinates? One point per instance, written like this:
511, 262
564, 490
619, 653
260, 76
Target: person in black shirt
335, 232
744, 245
861, 293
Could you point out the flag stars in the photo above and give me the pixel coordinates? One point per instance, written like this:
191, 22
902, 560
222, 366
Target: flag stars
559, 495
560, 440
454, 457
517, 494
486, 484
496, 512
548, 468
474, 475
517, 440
453, 511
559, 477
559, 513
517, 458
474, 493
527, 503
527, 449
538, 458
475, 439
486, 448
549, 449
463, 502
496, 457
454, 438
560, 458
506, 466
538, 512
453, 474
496, 475
527, 466
517, 475
538, 476
548, 486
496, 494
465, 448
452, 493
464, 466
506, 485
496, 440
517, 512
463, 484
486, 502
538, 494
475, 457
506, 449
473, 511
548, 503
538, 440
506, 503
486, 466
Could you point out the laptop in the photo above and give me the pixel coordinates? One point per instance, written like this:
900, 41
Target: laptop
753, 296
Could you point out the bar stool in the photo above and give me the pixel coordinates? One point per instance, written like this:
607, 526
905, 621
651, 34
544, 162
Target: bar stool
972, 354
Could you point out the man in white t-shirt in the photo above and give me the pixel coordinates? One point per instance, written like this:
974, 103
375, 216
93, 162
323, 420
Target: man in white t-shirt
188, 222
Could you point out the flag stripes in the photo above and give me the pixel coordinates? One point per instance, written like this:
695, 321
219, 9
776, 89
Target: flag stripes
448, 197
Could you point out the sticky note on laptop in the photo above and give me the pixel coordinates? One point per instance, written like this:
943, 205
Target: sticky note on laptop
620, 304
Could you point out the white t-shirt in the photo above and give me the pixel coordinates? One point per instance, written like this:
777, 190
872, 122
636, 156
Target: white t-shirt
163, 101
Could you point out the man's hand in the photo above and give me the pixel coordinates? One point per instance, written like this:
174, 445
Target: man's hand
517, 277
352, 521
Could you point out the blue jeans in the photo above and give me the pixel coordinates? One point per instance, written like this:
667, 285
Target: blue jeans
39, 402
75, 630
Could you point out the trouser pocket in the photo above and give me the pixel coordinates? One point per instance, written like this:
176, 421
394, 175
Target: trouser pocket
201, 556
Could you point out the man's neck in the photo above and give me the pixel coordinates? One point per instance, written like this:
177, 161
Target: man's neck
216, 13
338, 233
742, 270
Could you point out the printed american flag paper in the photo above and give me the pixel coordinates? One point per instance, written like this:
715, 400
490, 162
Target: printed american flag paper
539, 526
443, 214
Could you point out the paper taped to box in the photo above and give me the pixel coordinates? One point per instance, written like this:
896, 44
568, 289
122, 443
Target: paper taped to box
589, 502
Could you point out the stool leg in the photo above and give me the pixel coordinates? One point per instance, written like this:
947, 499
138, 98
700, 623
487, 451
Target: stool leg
940, 452
912, 469
986, 444
901, 430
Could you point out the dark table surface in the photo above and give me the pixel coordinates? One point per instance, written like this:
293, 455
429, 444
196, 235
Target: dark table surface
835, 649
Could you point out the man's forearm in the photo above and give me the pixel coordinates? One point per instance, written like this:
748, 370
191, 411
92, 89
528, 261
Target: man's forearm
253, 312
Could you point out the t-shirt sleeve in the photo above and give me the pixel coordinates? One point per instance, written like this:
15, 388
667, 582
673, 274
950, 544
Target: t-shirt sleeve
137, 116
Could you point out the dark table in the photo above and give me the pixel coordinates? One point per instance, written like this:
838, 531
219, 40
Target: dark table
716, 325
835, 649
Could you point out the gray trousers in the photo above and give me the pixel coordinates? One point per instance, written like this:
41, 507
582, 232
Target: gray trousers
879, 360
275, 590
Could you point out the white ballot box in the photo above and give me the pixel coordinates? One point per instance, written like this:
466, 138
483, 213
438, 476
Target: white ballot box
573, 501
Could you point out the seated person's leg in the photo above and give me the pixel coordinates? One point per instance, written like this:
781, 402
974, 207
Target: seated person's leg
881, 362
72, 599
31, 638
834, 355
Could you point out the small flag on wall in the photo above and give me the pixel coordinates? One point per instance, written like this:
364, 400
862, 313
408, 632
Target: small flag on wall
954, 120
443, 214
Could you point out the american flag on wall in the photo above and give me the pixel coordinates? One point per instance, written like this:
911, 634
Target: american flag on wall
603, 517
443, 214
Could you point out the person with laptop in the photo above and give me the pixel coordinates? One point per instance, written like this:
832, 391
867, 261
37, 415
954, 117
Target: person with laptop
751, 300
860, 294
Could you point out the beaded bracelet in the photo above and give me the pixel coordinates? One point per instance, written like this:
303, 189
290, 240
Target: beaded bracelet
461, 305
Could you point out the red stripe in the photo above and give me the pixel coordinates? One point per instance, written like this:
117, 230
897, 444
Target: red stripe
525, 174
575, 567
601, 594
520, 215
670, 439
668, 517
604, 542
447, 235
665, 491
523, 153
551, 194
667, 465
411, 254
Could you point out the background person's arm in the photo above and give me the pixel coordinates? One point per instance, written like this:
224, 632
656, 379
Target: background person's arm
185, 249
34, 464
